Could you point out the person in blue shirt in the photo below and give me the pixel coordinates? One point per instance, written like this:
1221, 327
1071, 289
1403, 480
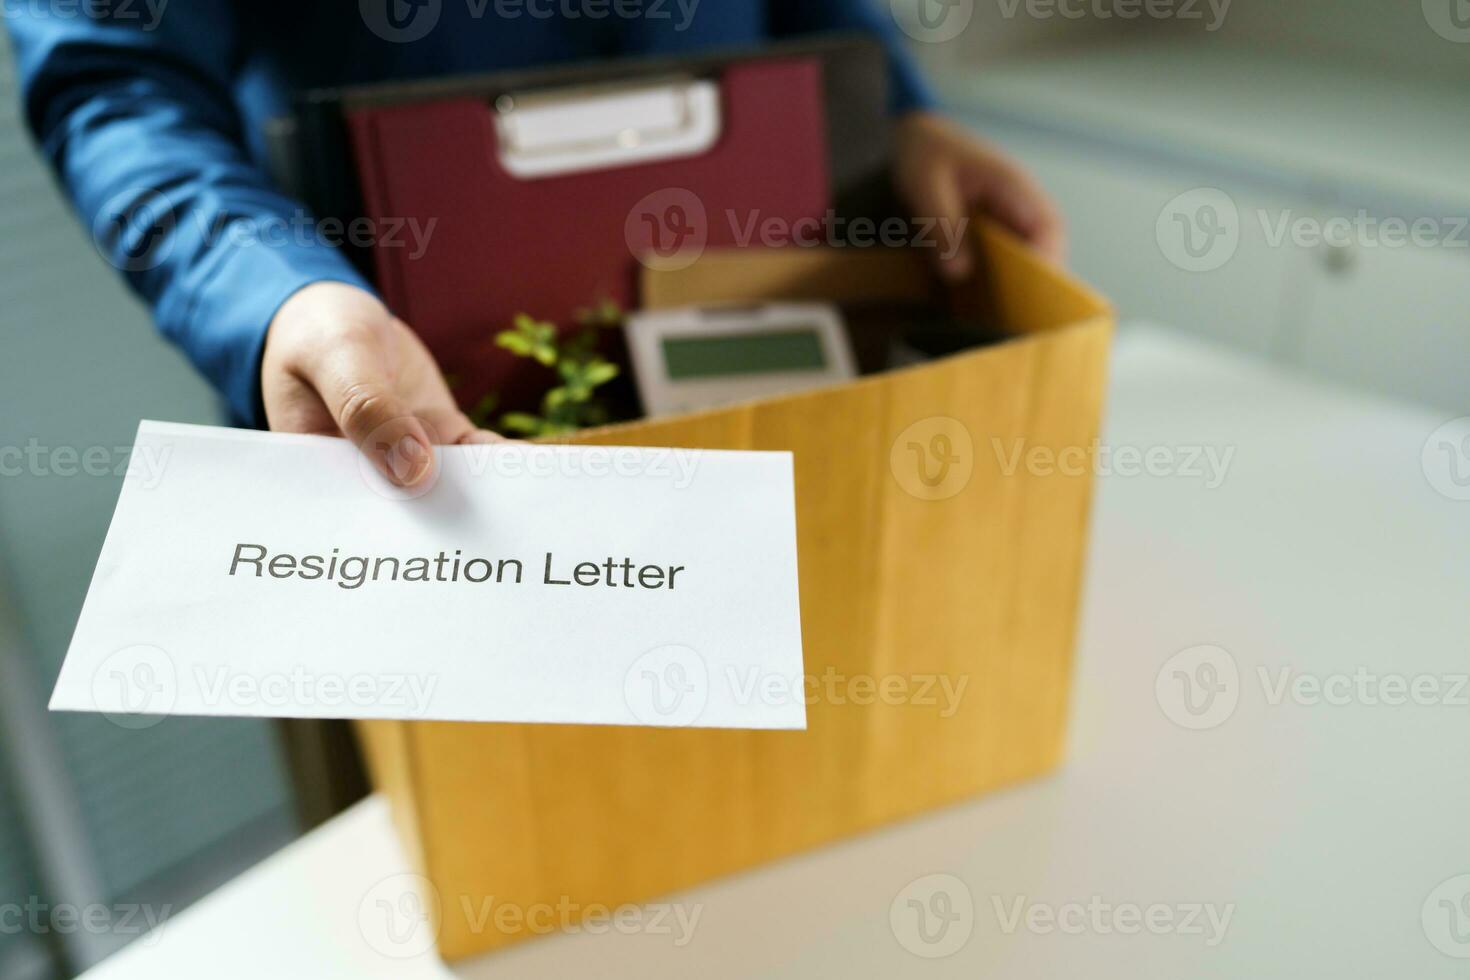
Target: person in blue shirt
134, 102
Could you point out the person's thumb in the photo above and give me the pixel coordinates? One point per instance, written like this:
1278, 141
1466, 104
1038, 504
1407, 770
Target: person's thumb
361, 399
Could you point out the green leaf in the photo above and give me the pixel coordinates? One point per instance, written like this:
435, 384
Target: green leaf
608, 313
521, 422
514, 342
601, 372
574, 357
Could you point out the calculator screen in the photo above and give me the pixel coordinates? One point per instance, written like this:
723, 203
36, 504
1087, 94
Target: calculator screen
797, 348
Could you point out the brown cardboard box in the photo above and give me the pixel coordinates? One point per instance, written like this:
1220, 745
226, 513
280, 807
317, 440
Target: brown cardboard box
972, 580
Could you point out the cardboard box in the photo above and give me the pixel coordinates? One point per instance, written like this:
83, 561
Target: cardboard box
966, 576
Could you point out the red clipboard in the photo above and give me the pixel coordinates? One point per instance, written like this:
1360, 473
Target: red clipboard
515, 222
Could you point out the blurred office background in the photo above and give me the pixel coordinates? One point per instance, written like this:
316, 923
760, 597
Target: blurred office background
1302, 110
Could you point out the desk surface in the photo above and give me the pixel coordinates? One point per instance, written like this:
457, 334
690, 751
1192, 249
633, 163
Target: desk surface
1293, 832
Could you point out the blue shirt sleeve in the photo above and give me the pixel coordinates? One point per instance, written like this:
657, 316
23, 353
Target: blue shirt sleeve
906, 85
140, 126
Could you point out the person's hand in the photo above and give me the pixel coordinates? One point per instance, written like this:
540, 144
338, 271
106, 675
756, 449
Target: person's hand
943, 171
336, 362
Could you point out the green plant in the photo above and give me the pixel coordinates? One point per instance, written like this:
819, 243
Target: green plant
573, 404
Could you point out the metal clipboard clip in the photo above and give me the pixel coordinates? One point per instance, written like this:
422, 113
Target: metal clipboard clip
603, 127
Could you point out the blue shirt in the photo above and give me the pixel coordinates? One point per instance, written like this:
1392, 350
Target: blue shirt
153, 110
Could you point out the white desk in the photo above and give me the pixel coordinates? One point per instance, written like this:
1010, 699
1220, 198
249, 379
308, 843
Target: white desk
1324, 828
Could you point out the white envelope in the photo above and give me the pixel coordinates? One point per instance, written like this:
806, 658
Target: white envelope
261, 574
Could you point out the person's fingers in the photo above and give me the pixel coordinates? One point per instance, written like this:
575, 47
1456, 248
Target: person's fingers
1018, 202
480, 437
454, 428
355, 386
938, 196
